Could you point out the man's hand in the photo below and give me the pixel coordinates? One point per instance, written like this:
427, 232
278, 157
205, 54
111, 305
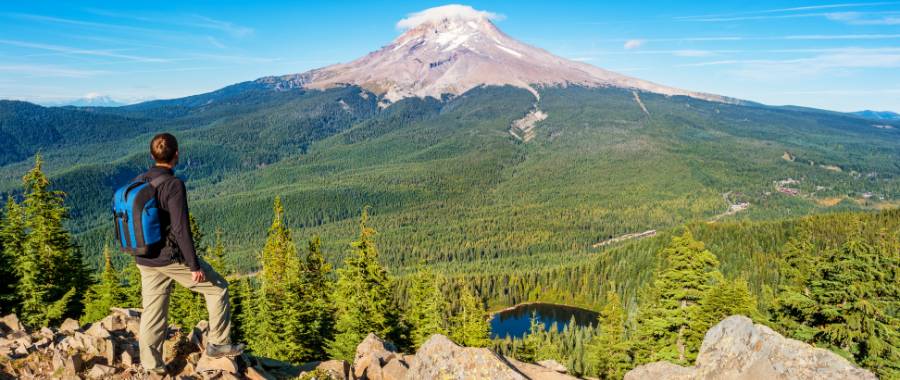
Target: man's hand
198, 276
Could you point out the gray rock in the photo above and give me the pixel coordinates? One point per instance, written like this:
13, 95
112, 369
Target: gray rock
69, 326
126, 313
371, 355
440, 358
216, 366
97, 331
737, 349
19, 337
10, 323
394, 370
661, 371
100, 371
553, 365
338, 369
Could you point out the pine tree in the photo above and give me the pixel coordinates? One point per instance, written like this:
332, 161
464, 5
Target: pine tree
362, 297
131, 286
317, 289
284, 320
609, 351
469, 326
533, 343
425, 313
105, 293
672, 300
848, 303
51, 273
12, 233
243, 307
725, 299
215, 255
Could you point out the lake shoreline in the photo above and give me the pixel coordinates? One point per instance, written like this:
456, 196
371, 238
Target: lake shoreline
518, 305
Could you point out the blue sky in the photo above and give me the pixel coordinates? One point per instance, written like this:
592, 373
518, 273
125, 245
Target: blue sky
835, 55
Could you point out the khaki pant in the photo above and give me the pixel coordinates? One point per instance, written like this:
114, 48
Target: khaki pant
156, 286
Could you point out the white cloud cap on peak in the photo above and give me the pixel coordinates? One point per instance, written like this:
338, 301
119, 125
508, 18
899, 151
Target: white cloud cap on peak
455, 11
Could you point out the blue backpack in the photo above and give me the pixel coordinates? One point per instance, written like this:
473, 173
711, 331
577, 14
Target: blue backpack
136, 213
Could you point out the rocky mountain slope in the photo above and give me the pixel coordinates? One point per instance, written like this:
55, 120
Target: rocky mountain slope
733, 349
452, 49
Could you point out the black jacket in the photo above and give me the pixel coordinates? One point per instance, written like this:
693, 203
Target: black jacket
177, 244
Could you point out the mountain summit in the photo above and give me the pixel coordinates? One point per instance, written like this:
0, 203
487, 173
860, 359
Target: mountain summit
454, 48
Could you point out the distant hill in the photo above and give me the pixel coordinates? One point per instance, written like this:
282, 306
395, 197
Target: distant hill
878, 115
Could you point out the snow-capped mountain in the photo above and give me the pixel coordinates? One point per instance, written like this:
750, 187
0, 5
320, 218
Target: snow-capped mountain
454, 48
90, 100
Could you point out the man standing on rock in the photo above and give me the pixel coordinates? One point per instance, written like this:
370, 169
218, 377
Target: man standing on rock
174, 260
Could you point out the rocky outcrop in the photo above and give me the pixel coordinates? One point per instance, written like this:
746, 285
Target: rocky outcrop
734, 349
737, 349
440, 358
108, 349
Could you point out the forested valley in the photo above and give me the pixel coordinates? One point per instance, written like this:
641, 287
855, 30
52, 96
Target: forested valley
829, 279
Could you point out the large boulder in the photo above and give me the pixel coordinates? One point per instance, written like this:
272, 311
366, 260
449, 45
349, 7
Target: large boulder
337, 369
737, 349
10, 323
440, 358
372, 354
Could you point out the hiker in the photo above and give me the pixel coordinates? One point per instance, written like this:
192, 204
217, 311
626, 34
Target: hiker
173, 259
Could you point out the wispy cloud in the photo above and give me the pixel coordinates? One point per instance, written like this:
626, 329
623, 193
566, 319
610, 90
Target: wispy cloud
883, 91
184, 20
77, 51
88, 24
633, 44
819, 64
769, 38
215, 42
772, 12
49, 71
211, 23
861, 18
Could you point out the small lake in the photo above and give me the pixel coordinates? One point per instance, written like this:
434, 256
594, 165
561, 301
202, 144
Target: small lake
515, 321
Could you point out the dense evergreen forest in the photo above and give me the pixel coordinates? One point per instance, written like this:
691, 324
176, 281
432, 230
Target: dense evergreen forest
830, 280
447, 182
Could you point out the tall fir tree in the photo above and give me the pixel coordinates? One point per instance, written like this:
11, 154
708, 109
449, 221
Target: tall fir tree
243, 314
317, 289
362, 296
426, 307
672, 301
724, 299
846, 302
106, 292
215, 255
533, 343
469, 325
609, 350
51, 272
282, 322
12, 234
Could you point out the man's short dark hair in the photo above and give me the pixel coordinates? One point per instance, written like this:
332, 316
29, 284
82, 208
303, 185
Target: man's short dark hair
163, 148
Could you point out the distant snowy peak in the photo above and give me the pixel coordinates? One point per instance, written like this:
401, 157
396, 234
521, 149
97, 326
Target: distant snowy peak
90, 100
452, 49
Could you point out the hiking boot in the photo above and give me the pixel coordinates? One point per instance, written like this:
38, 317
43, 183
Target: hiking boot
224, 350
